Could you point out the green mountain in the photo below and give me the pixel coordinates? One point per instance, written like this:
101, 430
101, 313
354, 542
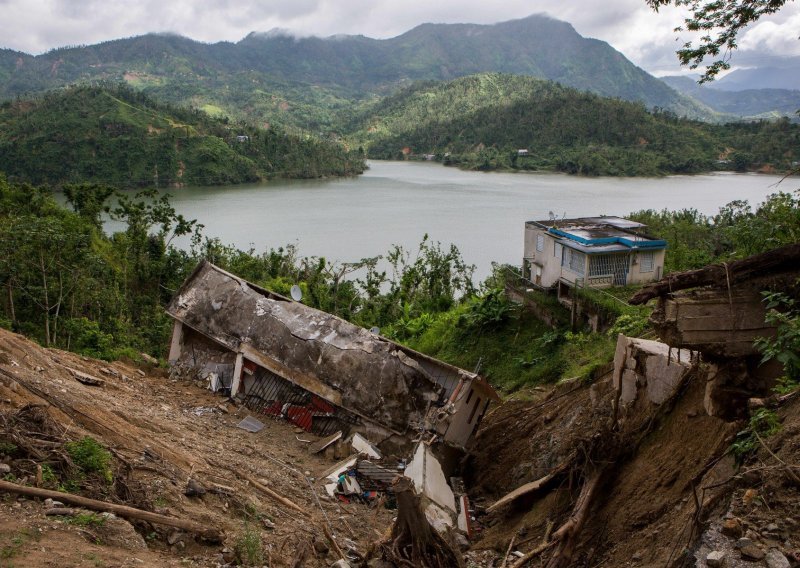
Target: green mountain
748, 104
121, 137
483, 121
306, 82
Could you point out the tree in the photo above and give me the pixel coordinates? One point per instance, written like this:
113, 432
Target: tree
720, 21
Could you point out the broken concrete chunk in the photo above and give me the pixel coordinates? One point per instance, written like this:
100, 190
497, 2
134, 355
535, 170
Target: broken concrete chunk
363, 446
86, 379
325, 442
429, 479
715, 559
251, 424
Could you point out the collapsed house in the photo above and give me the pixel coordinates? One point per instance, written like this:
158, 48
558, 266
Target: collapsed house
318, 371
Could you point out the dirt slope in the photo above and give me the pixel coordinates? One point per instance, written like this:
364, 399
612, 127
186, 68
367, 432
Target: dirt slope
161, 433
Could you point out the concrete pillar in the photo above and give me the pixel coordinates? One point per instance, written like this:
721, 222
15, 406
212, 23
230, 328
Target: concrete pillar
177, 342
237, 374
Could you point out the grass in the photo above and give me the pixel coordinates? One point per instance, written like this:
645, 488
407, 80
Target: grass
15, 544
91, 458
248, 546
86, 520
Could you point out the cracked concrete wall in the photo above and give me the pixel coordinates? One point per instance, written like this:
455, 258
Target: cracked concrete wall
372, 376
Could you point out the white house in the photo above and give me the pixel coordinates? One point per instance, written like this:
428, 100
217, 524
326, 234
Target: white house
595, 252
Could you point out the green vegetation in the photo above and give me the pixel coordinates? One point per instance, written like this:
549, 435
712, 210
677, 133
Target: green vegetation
86, 520
12, 545
763, 423
117, 136
91, 458
480, 122
783, 311
248, 547
67, 284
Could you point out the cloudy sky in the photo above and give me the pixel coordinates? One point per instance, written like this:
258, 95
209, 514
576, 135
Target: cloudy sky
646, 38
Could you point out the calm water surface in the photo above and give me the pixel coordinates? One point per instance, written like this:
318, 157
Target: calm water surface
481, 213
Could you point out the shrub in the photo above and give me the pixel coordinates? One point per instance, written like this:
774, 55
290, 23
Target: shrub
91, 458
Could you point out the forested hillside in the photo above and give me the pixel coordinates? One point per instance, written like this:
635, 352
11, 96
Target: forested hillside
480, 122
311, 82
121, 137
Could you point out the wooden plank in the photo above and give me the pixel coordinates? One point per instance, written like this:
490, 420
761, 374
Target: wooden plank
740, 321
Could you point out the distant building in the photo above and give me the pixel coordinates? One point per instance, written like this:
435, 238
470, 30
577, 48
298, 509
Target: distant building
242, 138
595, 252
522, 152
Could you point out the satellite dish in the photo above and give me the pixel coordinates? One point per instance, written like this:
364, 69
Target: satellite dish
297, 293
375, 330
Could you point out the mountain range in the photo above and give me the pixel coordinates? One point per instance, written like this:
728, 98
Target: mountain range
266, 76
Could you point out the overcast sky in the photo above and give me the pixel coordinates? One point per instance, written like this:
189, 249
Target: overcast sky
645, 37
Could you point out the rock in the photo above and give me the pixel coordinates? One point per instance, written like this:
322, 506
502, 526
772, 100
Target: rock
60, 512
749, 495
341, 564
752, 552
267, 523
228, 555
194, 489
149, 358
140, 372
637, 557
732, 528
772, 527
461, 540
5, 468
742, 542
715, 559
775, 559
321, 547
174, 537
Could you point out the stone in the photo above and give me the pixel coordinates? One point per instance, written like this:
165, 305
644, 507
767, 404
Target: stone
194, 489
228, 555
732, 528
461, 540
744, 541
715, 559
772, 527
5, 468
752, 552
174, 537
775, 559
321, 547
341, 564
749, 495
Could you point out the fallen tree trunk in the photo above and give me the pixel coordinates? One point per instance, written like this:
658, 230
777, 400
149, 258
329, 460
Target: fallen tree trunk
776, 260
211, 535
413, 541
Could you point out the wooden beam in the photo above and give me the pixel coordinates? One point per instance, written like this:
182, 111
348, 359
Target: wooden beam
119, 510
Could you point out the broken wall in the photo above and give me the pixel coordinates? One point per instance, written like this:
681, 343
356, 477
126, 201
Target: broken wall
345, 364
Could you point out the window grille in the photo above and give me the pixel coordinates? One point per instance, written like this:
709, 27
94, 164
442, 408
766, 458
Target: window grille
646, 261
574, 260
605, 264
540, 243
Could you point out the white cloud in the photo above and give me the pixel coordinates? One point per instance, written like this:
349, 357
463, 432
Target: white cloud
645, 37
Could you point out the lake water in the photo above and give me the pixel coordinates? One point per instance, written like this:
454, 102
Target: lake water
481, 213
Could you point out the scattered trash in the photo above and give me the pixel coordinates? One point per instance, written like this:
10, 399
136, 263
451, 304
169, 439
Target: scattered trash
251, 424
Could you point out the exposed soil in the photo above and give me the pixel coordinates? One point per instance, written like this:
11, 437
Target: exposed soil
162, 433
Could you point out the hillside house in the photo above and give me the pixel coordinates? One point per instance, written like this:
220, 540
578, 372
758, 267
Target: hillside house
596, 252
320, 372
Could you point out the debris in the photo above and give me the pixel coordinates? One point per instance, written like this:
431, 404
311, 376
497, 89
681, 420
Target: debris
776, 559
251, 424
364, 446
752, 552
325, 442
5, 468
149, 359
209, 534
715, 559
86, 379
275, 496
428, 477
140, 373
61, 511
299, 439
194, 489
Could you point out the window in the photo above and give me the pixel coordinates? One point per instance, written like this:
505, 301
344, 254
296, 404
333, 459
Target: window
574, 260
540, 243
647, 261
557, 250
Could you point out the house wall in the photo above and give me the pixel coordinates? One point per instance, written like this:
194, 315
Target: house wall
636, 276
551, 264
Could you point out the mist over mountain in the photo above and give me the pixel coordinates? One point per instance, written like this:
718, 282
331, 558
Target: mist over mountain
266, 75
